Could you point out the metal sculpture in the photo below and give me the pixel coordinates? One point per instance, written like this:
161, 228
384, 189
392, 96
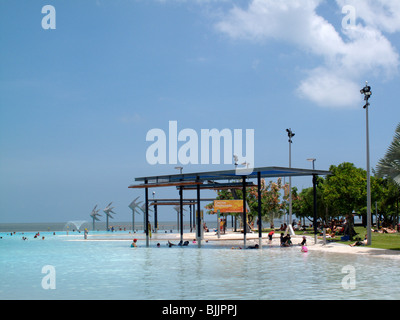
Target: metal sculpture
108, 210
94, 215
134, 207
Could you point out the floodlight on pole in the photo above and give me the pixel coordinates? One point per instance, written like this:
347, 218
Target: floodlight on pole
236, 160
312, 160
179, 168
366, 91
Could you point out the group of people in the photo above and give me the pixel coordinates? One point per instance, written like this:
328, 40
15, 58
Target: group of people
336, 227
169, 243
181, 244
295, 225
116, 228
388, 229
286, 241
37, 235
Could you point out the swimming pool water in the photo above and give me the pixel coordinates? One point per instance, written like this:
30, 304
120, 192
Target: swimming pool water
114, 270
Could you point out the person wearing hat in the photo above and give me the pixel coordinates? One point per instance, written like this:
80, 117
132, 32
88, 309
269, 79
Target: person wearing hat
133, 245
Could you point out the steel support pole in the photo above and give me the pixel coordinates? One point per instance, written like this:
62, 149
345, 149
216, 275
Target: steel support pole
368, 183
218, 224
147, 214
155, 217
290, 182
198, 222
259, 210
181, 211
133, 220
315, 207
244, 211
190, 217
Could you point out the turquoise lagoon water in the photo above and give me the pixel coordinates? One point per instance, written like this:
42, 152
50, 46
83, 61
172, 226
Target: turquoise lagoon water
114, 270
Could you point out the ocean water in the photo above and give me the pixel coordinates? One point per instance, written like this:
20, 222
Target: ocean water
100, 225
94, 269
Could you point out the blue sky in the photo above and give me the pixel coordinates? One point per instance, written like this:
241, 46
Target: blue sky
76, 102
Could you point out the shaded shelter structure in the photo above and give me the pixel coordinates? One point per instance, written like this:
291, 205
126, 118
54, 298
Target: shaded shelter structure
208, 180
175, 202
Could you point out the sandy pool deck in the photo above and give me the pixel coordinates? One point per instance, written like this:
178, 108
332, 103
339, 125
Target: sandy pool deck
235, 240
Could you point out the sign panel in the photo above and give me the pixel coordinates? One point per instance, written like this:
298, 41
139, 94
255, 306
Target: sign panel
228, 206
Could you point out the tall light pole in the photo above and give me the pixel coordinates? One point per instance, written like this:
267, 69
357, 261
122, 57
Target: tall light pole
290, 135
366, 91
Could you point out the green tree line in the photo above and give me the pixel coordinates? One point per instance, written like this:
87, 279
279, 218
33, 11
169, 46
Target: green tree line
340, 194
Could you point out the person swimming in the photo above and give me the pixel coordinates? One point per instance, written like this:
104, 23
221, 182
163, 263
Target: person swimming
253, 247
181, 244
170, 244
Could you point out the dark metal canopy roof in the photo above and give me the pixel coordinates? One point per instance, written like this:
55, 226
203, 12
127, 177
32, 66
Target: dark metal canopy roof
173, 202
218, 186
192, 178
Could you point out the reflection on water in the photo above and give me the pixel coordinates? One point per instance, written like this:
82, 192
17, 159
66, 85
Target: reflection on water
113, 270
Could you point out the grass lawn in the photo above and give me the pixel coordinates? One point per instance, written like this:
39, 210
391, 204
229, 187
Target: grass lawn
379, 240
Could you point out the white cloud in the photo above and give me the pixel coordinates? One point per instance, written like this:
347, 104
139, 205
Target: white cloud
328, 89
347, 58
192, 1
369, 50
284, 20
383, 15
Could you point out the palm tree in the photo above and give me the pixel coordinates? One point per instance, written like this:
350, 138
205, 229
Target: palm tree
389, 166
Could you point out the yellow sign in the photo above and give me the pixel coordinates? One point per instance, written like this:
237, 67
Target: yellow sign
228, 206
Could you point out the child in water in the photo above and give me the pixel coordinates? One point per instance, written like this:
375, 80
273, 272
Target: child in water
133, 245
